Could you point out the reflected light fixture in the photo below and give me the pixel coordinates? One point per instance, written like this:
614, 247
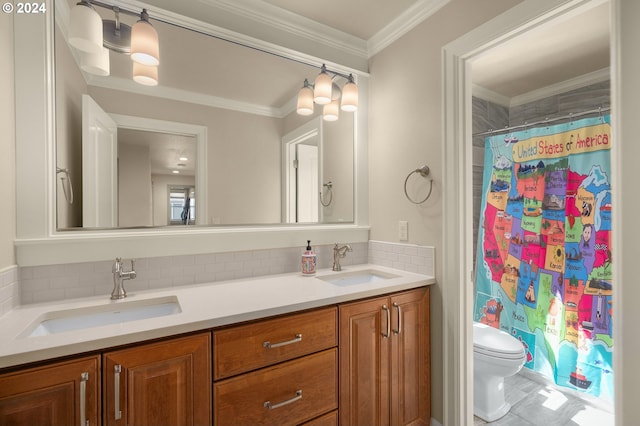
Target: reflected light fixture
144, 41
305, 99
324, 91
330, 111
85, 28
140, 41
97, 64
322, 87
146, 75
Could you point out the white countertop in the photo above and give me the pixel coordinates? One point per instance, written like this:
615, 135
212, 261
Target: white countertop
202, 306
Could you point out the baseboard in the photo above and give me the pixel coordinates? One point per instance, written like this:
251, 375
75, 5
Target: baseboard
434, 422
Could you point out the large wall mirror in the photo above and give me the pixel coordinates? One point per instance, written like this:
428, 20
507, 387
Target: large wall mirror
223, 115
219, 128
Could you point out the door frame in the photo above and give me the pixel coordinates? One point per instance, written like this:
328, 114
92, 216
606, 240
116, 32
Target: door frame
183, 129
457, 253
313, 128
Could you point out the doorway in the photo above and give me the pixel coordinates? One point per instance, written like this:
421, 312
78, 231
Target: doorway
458, 246
302, 163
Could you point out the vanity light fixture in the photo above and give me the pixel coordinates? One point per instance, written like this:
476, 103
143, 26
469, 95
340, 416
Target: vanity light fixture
183, 159
322, 87
91, 35
144, 41
324, 91
85, 28
146, 75
305, 99
97, 64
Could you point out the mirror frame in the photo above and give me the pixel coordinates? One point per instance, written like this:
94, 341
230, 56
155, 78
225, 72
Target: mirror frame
38, 242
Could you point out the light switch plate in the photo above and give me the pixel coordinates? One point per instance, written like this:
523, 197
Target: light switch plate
403, 230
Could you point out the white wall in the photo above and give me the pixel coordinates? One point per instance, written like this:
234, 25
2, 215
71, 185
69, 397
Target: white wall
405, 132
134, 186
7, 144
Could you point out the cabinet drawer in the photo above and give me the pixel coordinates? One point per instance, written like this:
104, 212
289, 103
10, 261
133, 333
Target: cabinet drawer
329, 419
285, 394
251, 346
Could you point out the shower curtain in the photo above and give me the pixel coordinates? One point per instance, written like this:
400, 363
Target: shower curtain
544, 257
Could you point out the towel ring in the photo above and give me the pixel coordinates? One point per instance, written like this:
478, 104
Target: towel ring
328, 185
424, 172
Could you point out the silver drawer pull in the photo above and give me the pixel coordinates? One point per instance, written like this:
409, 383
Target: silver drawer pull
271, 406
388, 327
399, 329
84, 377
270, 345
117, 369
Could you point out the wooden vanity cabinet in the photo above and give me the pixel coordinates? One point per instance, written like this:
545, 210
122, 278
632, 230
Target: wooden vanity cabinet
162, 383
385, 360
61, 393
279, 371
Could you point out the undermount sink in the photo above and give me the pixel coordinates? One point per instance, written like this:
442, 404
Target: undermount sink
357, 277
114, 313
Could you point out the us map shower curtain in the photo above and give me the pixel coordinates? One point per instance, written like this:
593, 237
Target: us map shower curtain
544, 256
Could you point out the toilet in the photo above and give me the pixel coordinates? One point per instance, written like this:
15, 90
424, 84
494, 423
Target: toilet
496, 355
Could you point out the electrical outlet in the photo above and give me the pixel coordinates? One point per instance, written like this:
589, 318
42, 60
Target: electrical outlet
403, 230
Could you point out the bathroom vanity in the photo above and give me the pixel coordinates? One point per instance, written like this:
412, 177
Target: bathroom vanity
280, 350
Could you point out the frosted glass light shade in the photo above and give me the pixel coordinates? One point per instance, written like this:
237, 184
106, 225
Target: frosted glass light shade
322, 88
96, 64
85, 29
144, 42
145, 74
330, 111
305, 100
350, 96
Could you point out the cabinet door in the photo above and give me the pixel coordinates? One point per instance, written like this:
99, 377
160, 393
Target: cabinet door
64, 393
364, 362
165, 383
410, 360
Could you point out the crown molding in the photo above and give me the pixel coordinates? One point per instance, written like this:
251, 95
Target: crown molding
291, 23
131, 86
535, 95
490, 96
562, 87
409, 19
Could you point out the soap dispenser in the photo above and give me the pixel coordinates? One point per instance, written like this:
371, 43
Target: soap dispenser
308, 261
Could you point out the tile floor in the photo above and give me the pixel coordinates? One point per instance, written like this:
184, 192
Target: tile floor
535, 401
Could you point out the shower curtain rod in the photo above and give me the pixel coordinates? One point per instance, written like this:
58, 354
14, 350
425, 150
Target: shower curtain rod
545, 121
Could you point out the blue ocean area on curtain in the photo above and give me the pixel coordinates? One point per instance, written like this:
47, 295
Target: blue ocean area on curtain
544, 255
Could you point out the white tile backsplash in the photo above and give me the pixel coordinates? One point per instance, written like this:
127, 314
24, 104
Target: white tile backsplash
58, 282
9, 289
406, 257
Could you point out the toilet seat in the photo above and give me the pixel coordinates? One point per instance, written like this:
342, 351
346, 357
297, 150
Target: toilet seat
495, 343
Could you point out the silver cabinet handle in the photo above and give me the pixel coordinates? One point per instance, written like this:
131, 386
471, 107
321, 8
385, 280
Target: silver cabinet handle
271, 406
399, 329
388, 330
84, 378
270, 345
116, 387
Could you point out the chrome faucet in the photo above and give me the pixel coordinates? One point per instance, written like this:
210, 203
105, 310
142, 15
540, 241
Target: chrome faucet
339, 252
119, 275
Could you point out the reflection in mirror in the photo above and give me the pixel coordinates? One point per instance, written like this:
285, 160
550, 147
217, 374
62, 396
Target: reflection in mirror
245, 101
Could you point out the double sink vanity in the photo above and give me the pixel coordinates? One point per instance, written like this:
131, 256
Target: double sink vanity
349, 347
